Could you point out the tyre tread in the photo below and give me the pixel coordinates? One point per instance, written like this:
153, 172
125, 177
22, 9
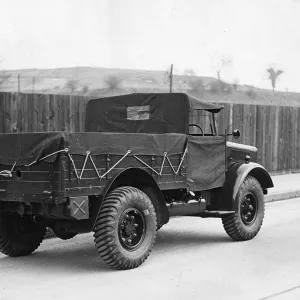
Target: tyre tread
13, 248
232, 224
103, 235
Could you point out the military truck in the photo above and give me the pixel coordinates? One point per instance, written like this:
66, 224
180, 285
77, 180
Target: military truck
140, 161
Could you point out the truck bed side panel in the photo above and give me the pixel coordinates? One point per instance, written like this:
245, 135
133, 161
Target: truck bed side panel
40, 181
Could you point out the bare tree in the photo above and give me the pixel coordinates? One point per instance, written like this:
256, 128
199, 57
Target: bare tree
113, 82
223, 63
273, 75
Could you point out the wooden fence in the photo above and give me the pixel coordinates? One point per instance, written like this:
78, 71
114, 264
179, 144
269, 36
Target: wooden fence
275, 131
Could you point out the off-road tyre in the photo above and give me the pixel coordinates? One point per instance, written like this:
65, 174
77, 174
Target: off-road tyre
247, 220
125, 212
20, 236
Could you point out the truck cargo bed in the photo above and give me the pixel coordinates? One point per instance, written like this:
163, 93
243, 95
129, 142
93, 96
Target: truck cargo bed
49, 167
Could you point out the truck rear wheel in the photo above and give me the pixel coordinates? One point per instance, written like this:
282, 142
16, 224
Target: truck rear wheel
20, 236
246, 222
125, 229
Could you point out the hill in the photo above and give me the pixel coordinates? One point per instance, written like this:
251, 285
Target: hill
98, 82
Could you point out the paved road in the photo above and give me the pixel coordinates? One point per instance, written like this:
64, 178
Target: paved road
192, 259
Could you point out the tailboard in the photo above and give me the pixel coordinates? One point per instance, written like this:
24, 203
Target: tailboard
39, 182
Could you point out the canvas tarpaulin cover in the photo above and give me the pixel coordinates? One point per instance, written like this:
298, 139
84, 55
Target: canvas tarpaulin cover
205, 162
138, 113
144, 113
205, 159
24, 148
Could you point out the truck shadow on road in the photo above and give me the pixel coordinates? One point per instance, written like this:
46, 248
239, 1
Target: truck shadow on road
168, 239
80, 254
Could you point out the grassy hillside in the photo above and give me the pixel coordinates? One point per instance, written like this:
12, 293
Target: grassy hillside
99, 82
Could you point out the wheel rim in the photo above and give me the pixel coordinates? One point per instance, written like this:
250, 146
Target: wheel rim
132, 227
249, 206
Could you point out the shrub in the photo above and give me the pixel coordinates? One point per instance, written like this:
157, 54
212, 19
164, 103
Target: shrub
227, 88
217, 87
251, 93
196, 85
113, 82
72, 85
85, 89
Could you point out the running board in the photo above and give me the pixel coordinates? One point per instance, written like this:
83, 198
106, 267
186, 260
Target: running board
216, 213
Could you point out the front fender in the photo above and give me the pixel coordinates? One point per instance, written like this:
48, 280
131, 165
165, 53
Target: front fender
235, 176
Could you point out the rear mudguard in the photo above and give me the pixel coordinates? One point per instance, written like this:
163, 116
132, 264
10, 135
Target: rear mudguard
140, 179
135, 177
225, 197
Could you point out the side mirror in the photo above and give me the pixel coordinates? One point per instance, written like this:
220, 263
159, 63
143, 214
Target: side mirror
236, 133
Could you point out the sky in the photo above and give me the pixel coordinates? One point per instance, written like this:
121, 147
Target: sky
152, 34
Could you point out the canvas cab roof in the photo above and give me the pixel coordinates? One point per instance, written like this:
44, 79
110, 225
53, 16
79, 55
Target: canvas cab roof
196, 104
144, 113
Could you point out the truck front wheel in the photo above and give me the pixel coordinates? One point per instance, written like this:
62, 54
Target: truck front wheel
125, 229
20, 236
246, 222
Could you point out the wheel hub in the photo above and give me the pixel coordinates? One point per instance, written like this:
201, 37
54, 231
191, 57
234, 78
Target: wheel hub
249, 209
132, 229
